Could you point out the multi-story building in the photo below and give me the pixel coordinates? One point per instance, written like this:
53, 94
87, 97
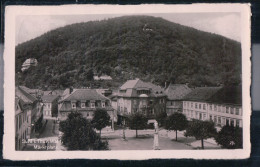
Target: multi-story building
85, 101
22, 130
29, 113
175, 94
138, 96
221, 105
50, 106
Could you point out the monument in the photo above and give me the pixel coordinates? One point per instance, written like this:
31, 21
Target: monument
156, 137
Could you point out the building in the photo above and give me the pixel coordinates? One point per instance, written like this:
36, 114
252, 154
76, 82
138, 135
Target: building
102, 77
225, 107
27, 108
85, 101
50, 106
221, 105
28, 63
22, 125
37, 93
139, 96
175, 94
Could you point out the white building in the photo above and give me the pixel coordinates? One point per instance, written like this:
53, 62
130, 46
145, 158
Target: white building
221, 105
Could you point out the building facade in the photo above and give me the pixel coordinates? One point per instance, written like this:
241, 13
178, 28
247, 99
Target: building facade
28, 116
85, 101
175, 94
50, 106
138, 96
223, 106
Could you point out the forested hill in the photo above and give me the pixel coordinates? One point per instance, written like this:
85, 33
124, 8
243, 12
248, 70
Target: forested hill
128, 47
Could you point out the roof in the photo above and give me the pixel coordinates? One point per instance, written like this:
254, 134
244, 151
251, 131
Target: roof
177, 91
228, 95
201, 93
32, 91
24, 95
84, 94
138, 84
49, 98
53, 92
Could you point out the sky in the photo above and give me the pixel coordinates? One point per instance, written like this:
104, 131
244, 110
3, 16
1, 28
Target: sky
225, 24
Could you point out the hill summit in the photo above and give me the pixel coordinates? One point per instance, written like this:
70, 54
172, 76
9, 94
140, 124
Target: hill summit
128, 47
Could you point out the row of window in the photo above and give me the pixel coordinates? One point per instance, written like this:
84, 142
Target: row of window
218, 120
88, 104
87, 114
47, 113
212, 107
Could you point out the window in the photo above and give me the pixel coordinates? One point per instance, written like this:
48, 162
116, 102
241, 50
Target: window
237, 122
219, 108
196, 105
103, 104
191, 114
215, 119
204, 106
200, 116
210, 107
237, 111
73, 105
232, 122
204, 116
83, 105
92, 104
199, 106
227, 121
227, 110
191, 105
219, 120
210, 117
231, 110
215, 107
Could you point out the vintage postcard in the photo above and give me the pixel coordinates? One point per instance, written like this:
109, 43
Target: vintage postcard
127, 82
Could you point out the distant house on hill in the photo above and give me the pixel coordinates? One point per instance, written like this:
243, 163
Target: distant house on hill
34, 92
223, 106
28, 63
139, 96
175, 94
85, 101
102, 77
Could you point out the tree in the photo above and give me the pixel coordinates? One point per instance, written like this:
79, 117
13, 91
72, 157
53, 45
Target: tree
137, 121
176, 121
100, 120
201, 130
160, 118
230, 137
78, 134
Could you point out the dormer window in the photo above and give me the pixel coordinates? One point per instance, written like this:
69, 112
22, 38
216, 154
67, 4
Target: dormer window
83, 105
103, 104
92, 104
73, 105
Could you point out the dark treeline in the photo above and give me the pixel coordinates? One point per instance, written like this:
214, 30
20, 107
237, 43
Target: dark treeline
129, 47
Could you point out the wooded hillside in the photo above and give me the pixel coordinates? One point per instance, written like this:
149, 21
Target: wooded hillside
129, 47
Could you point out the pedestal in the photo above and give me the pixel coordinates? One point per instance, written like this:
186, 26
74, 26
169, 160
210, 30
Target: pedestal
156, 141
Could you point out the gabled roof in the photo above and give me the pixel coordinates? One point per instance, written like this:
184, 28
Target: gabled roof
49, 98
177, 91
84, 94
228, 95
24, 95
202, 93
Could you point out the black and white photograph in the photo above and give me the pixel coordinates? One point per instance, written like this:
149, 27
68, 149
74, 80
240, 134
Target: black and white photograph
111, 80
